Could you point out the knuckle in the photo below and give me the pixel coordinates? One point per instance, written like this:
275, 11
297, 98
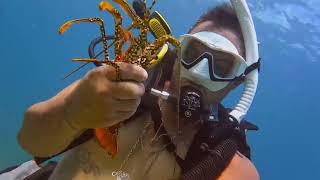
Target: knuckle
108, 71
140, 73
127, 90
137, 102
140, 89
125, 66
95, 73
134, 71
110, 115
144, 74
133, 105
128, 114
137, 90
101, 91
122, 64
90, 74
102, 88
104, 71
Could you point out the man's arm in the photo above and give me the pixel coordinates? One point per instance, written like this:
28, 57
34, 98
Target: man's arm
45, 130
94, 101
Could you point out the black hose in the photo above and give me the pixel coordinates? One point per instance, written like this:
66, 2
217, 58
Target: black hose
93, 44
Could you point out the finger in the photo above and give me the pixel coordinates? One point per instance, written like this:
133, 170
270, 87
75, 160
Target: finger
132, 72
105, 71
127, 72
127, 90
126, 105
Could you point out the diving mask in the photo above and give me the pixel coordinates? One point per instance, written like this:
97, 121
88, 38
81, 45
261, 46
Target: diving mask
210, 60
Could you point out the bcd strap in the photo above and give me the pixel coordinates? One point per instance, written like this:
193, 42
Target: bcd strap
214, 146
43, 173
211, 166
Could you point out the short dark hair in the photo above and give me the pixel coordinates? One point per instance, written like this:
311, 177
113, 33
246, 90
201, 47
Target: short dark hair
223, 17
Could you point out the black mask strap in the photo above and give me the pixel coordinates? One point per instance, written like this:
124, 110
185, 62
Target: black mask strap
252, 67
249, 69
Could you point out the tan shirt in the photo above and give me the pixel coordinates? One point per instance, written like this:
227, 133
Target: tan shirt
148, 161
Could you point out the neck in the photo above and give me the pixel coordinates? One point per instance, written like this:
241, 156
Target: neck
182, 133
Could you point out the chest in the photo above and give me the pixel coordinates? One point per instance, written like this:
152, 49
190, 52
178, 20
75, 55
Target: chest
139, 156
146, 157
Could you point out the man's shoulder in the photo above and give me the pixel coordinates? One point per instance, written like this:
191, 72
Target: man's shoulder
240, 168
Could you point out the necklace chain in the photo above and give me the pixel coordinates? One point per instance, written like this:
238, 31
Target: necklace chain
121, 174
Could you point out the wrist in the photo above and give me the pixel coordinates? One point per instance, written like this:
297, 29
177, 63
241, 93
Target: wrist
69, 104
70, 117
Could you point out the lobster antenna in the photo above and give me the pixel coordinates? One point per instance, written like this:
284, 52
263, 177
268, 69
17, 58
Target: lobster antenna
76, 70
83, 65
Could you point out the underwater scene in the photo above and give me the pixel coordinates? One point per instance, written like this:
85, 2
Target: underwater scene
35, 60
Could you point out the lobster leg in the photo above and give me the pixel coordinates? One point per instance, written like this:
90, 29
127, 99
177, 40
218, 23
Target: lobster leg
141, 42
119, 33
151, 51
158, 43
136, 20
121, 36
66, 25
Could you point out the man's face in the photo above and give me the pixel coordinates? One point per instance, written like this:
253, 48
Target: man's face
224, 65
209, 97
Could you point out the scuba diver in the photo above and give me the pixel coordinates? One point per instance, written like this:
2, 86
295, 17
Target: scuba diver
177, 129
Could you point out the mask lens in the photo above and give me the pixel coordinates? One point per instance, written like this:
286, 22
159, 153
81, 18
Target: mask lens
223, 64
191, 51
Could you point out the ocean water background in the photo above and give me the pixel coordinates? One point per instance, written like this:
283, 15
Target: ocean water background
34, 58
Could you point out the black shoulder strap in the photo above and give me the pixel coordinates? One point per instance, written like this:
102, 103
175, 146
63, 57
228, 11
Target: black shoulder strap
44, 172
214, 146
213, 163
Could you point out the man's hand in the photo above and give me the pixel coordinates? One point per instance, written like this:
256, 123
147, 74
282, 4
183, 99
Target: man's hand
96, 100
100, 101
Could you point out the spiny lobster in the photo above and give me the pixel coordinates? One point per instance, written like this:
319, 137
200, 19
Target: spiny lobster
139, 52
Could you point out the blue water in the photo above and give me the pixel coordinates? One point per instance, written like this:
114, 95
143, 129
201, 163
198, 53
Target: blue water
34, 58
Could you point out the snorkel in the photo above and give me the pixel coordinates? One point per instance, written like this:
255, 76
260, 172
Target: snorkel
252, 56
